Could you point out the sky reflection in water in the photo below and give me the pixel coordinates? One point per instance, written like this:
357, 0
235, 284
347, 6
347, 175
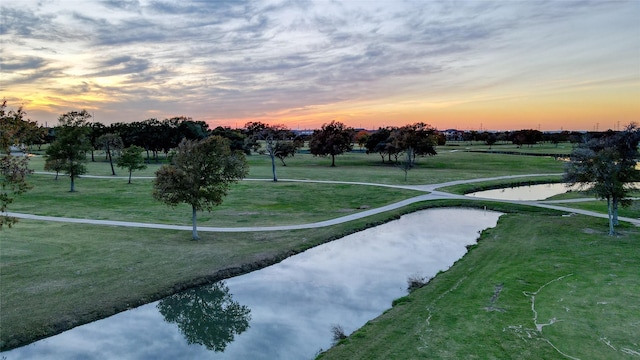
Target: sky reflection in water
524, 193
294, 303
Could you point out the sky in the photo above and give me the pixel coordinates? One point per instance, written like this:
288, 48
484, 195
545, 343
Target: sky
473, 65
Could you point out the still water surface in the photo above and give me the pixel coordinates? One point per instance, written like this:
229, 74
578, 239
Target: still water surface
285, 311
523, 193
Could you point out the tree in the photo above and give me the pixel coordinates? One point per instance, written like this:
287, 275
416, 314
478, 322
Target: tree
200, 174
148, 135
406, 164
238, 140
361, 138
417, 139
606, 165
71, 144
131, 159
278, 141
96, 131
207, 315
285, 149
332, 139
56, 165
13, 169
15, 130
380, 142
526, 137
110, 142
489, 138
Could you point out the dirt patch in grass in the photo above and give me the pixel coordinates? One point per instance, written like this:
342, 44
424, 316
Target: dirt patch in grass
590, 231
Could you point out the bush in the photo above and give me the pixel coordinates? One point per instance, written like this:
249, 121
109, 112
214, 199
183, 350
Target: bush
338, 333
415, 282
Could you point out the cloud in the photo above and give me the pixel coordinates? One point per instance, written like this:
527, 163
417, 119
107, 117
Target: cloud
128, 5
225, 8
22, 63
27, 70
239, 58
19, 22
121, 65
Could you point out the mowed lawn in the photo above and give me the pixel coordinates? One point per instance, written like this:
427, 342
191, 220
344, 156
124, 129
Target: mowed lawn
55, 275
249, 203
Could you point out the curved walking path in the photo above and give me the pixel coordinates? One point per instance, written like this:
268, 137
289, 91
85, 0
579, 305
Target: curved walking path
431, 194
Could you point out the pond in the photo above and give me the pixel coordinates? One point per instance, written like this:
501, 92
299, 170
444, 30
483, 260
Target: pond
523, 193
285, 311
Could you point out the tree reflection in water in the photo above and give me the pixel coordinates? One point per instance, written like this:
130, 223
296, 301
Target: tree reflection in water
207, 315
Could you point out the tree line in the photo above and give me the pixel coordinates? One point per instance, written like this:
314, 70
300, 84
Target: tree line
528, 137
204, 162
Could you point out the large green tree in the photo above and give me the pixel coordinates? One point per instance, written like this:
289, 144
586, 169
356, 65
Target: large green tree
71, 144
380, 142
14, 130
606, 165
332, 139
200, 174
417, 139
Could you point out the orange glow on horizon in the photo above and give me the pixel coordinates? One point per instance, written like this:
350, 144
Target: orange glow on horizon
587, 108
595, 110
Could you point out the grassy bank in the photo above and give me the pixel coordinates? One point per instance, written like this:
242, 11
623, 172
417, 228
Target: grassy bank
499, 184
535, 287
631, 211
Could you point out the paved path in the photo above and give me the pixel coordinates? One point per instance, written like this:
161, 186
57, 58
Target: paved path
431, 193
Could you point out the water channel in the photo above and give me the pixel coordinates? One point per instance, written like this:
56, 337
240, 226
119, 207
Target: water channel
524, 193
285, 311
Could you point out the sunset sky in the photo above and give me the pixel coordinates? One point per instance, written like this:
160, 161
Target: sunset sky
476, 65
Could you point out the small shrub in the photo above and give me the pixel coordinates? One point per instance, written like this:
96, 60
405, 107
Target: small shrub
338, 333
415, 282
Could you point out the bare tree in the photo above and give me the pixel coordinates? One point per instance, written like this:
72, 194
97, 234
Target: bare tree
278, 140
110, 143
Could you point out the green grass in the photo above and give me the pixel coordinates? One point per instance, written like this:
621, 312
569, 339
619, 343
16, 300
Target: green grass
541, 148
359, 167
632, 211
257, 203
481, 308
84, 272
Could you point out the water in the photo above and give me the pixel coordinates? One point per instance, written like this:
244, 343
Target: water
285, 311
523, 193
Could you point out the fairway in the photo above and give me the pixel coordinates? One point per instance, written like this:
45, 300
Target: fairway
86, 272
258, 203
